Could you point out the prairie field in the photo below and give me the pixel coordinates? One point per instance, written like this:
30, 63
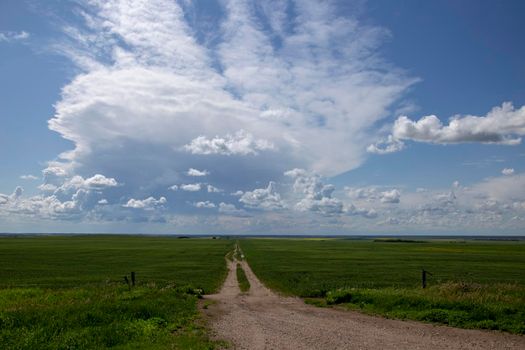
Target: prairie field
474, 284
59, 292
70, 293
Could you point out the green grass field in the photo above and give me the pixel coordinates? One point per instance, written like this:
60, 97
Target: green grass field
69, 292
474, 284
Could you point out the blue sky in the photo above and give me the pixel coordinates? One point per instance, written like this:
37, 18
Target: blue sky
232, 116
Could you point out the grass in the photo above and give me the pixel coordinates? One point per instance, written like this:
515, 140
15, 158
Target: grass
69, 292
474, 284
244, 284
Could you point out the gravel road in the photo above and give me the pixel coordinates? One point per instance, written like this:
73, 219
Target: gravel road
261, 319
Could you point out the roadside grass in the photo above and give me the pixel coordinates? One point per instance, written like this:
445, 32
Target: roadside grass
474, 284
497, 307
244, 284
69, 292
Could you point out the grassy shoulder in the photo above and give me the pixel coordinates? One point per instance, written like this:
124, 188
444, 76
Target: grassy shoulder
66, 294
244, 284
474, 284
148, 317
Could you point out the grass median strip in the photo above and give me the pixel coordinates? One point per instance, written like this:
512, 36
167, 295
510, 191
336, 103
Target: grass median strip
244, 284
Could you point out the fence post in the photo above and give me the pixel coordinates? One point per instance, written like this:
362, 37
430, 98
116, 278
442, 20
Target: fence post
133, 278
424, 278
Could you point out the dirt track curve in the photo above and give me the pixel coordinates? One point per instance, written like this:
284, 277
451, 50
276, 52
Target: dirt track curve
261, 319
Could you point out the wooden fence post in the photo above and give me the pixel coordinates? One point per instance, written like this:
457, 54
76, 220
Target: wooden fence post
133, 278
424, 278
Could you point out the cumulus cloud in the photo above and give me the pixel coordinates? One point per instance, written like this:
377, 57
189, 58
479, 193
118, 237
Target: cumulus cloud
507, 171
10, 36
502, 125
241, 143
17, 193
213, 189
231, 209
263, 198
195, 172
99, 181
28, 177
367, 193
191, 187
149, 203
392, 196
205, 204
374, 194
369, 213
386, 145
317, 195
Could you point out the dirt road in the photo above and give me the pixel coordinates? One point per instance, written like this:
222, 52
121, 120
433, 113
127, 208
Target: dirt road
260, 319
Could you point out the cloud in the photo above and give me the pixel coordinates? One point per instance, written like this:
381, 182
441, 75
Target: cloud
28, 177
242, 143
502, 125
205, 204
149, 203
191, 187
275, 89
374, 194
385, 146
213, 189
263, 198
17, 193
507, 171
289, 97
392, 196
502, 188
231, 209
366, 193
47, 187
99, 181
10, 36
317, 196
195, 172
367, 213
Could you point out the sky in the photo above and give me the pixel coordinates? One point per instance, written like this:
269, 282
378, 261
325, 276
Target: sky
262, 117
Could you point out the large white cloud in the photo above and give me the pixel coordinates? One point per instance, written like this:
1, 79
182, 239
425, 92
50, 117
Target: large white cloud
152, 96
502, 125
